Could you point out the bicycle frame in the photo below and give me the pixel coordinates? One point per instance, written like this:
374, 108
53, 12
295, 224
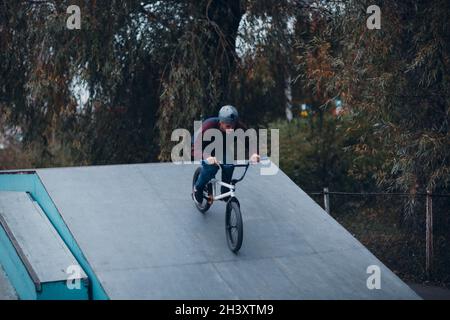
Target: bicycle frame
232, 187
220, 196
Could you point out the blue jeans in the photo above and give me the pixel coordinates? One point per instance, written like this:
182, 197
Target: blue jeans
209, 171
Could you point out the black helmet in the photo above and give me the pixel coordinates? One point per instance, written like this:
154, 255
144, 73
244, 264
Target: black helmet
228, 114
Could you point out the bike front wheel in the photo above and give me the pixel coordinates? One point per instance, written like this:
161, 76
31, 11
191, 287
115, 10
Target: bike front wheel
234, 226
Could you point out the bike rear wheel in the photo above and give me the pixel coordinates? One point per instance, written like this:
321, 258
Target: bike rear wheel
234, 226
205, 205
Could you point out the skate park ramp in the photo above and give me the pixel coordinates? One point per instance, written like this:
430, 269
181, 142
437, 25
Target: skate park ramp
32, 253
142, 238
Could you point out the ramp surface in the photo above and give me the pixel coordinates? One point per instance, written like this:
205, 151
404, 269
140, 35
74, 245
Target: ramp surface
144, 239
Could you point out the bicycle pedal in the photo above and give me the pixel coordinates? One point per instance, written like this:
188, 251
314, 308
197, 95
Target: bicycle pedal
210, 199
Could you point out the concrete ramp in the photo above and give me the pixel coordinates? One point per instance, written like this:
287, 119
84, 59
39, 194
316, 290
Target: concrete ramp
143, 238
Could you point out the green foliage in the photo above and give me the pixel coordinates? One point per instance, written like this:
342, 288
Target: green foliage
150, 67
397, 79
326, 151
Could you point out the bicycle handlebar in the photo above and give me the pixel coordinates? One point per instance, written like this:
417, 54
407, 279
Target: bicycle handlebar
241, 165
234, 181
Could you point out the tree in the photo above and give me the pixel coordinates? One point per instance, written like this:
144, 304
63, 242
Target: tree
397, 79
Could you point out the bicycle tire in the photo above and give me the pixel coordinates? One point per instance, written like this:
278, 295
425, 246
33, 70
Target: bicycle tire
234, 240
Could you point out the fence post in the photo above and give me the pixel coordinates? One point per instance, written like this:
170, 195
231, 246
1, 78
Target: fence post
326, 200
429, 232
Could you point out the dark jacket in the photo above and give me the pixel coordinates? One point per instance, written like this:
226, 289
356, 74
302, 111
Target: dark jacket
213, 123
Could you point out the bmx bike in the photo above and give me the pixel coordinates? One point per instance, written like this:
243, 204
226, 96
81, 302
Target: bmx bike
233, 217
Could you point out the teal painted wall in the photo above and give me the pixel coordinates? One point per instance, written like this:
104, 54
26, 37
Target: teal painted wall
32, 184
59, 291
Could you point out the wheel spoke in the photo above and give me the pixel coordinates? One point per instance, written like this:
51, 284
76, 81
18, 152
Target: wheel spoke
233, 219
